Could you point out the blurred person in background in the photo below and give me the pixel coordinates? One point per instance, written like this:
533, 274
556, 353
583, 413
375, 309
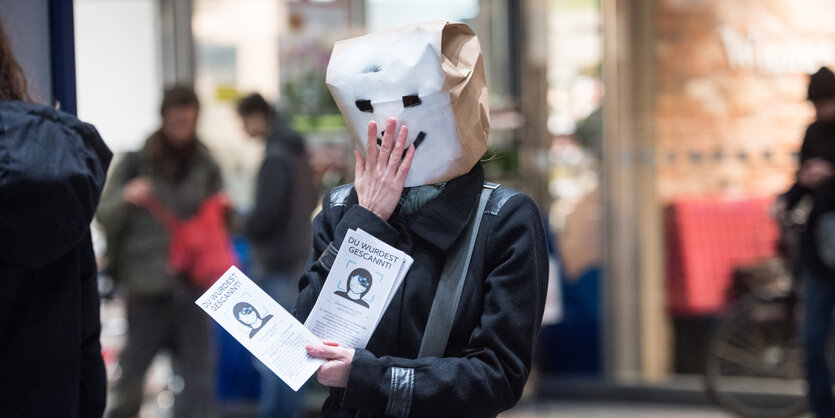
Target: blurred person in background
814, 179
173, 169
278, 229
52, 170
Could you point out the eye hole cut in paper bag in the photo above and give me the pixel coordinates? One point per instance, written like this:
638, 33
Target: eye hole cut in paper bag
428, 76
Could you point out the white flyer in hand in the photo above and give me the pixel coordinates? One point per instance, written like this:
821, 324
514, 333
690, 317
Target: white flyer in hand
365, 275
404, 268
264, 328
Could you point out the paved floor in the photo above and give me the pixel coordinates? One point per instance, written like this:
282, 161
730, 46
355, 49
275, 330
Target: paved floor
619, 409
680, 397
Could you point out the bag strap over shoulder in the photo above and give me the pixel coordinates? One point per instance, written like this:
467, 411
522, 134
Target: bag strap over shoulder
451, 284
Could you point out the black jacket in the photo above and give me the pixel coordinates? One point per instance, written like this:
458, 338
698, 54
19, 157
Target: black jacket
819, 142
490, 349
52, 169
279, 225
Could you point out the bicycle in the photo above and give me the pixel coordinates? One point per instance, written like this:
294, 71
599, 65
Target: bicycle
754, 361
754, 364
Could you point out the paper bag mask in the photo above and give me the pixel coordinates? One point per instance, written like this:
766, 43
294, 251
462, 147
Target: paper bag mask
430, 77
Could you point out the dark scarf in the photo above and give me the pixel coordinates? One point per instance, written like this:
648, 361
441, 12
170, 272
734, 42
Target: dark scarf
172, 162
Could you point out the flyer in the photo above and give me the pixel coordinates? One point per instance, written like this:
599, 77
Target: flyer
363, 279
262, 326
365, 275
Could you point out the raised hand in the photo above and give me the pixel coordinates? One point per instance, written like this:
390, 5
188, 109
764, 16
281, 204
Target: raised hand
380, 178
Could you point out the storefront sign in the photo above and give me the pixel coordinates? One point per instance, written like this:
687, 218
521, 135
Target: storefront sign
776, 55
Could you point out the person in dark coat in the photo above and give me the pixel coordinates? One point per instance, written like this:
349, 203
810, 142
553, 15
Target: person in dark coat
483, 368
815, 179
489, 354
52, 170
278, 229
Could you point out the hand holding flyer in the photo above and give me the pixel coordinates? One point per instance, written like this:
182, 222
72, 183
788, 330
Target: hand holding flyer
355, 295
261, 325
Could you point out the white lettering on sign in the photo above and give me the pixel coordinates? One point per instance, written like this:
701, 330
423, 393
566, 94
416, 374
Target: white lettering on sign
786, 55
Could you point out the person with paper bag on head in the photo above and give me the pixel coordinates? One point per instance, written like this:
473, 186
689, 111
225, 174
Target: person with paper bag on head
459, 333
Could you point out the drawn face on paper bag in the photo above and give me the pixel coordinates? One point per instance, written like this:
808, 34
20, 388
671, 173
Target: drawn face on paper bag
399, 74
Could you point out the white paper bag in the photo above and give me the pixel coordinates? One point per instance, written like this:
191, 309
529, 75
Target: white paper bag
430, 77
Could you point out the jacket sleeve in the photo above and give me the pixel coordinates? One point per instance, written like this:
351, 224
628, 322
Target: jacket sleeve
490, 376
794, 195
113, 211
796, 192
271, 207
52, 169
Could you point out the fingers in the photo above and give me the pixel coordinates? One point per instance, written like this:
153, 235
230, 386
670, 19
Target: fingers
380, 176
334, 371
359, 165
387, 145
389, 156
397, 153
371, 151
405, 165
323, 351
330, 343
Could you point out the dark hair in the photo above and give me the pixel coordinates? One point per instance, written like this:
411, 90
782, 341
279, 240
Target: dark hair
363, 273
252, 104
821, 85
241, 306
178, 96
12, 80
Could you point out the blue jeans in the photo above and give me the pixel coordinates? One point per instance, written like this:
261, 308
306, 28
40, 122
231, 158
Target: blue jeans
277, 400
819, 300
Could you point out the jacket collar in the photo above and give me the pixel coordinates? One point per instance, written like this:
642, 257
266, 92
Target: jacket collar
442, 220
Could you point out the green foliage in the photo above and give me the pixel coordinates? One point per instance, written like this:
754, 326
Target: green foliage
309, 95
501, 163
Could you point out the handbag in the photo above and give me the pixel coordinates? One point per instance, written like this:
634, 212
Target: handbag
825, 239
200, 246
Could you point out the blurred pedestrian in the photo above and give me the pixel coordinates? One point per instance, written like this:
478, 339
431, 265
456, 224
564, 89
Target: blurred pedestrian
278, 229
173, 169
814, 178
52, 170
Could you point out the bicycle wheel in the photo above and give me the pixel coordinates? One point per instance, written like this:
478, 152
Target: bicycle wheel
754, 363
